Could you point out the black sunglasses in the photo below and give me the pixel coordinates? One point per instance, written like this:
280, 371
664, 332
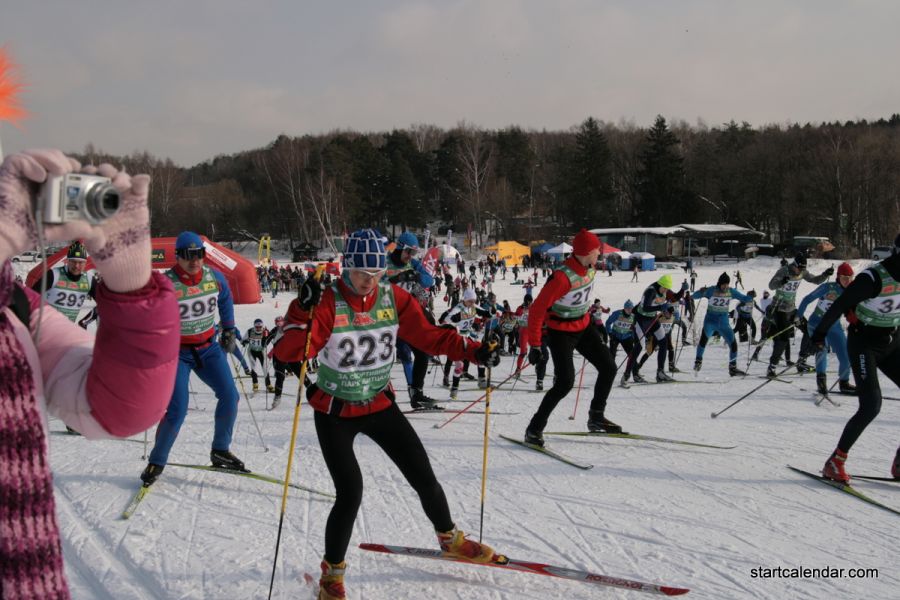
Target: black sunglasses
191, 253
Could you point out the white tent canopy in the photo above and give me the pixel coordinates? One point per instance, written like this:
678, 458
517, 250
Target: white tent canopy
563, 248
449, 254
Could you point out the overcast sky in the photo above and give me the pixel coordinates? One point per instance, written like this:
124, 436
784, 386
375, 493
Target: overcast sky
193, 79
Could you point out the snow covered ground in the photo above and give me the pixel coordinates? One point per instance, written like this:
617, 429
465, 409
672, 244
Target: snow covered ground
692, 517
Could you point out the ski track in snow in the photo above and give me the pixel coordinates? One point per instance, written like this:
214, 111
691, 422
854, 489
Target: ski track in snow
676, 515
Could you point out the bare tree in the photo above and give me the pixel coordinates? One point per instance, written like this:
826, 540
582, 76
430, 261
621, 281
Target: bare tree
475, 152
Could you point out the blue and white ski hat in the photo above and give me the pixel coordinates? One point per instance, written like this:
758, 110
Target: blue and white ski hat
365, 250
407, 240
629, 303
258, 322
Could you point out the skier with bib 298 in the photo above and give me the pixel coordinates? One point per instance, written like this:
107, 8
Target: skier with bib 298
202, 294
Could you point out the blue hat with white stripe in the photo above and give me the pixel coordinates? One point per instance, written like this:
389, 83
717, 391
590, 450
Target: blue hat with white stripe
407, 239
365, 250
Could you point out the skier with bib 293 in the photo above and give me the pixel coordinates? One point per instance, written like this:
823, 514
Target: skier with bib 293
70, 285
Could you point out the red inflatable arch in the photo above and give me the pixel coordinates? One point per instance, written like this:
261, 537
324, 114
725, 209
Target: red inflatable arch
238, 271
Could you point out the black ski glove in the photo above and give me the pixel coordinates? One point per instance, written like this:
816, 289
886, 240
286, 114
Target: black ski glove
534, 356
405, 276
488, 354
310, 293
228, 339
829, 272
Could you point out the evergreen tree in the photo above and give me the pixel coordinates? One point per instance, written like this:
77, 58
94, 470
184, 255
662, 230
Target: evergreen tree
585, 178
661, 181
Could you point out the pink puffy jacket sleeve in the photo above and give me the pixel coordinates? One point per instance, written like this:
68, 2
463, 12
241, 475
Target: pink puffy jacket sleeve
120, 383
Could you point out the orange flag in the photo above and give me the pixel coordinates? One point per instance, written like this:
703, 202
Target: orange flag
10, 86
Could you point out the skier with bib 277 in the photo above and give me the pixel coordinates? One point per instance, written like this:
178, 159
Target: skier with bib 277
826, 294
872, 307
716, 321
354, 329
563, 303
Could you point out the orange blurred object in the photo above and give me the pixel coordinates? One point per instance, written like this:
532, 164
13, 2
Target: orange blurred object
10, 86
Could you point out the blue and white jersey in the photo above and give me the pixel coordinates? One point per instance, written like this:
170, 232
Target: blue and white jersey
719, 300
826, 294
620, 325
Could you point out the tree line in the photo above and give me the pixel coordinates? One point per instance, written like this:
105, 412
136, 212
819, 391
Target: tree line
840, 180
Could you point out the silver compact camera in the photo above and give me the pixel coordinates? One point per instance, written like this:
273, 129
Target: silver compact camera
77, 197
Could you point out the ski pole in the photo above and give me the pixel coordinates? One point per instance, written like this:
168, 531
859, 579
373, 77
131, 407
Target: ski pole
479, 399
773, 336
144, 457
193, 393
783, 371
487, 416
287, 475
252, 415
578, 391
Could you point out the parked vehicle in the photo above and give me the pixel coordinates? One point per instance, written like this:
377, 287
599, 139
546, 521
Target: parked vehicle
27, 256
881, 252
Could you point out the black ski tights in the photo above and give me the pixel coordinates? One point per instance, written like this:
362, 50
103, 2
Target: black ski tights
390, 430
870, 349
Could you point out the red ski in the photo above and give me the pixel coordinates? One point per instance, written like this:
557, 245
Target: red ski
537, 568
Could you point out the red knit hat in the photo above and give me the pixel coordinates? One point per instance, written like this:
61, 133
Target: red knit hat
584, 242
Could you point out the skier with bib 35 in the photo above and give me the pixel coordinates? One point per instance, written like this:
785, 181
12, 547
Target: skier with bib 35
782, 313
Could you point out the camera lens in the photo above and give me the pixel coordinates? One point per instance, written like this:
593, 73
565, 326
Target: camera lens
101, 202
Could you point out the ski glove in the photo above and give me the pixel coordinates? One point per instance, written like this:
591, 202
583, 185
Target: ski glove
310, 293
534, 356
829, 272
488, 354
405, 276
817, 341
120, 246
228, 339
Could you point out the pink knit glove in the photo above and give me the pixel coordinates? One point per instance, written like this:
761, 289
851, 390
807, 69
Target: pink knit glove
18, 175
120, 246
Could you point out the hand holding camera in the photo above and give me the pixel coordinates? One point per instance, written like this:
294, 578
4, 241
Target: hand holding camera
105, 208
